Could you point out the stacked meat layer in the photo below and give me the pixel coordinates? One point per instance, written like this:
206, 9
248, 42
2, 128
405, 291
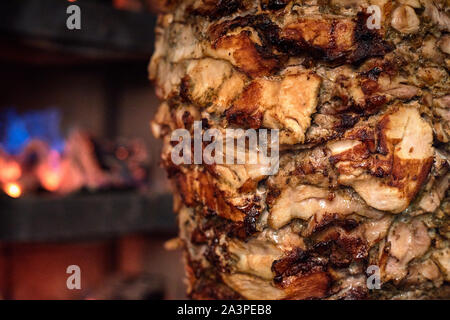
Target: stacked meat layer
360, 94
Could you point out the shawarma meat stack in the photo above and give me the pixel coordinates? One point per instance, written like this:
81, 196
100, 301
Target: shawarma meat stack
363, 113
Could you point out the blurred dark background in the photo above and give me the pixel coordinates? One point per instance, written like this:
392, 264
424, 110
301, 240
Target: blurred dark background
79, 169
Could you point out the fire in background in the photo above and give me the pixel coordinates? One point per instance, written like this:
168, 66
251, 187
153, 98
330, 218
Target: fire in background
34, 157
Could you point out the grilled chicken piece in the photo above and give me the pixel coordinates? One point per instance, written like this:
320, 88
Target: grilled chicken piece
305, 202
403, 163
407, 241
364, 125
285, 104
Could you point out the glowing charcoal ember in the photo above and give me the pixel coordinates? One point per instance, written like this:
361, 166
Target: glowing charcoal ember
13, 190
49, 172
9, 170
50, 179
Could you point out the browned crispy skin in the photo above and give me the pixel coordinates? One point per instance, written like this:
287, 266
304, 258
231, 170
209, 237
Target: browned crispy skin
245, 111
196, 188
245, 54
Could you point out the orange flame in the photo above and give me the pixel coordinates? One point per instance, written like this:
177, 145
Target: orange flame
13, 190
51, 180
10, 171
49, 173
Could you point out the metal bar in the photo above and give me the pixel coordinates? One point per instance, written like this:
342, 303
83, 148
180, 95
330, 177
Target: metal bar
37, 218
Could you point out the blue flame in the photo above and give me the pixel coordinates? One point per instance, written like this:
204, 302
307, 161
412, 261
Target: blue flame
17, 130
